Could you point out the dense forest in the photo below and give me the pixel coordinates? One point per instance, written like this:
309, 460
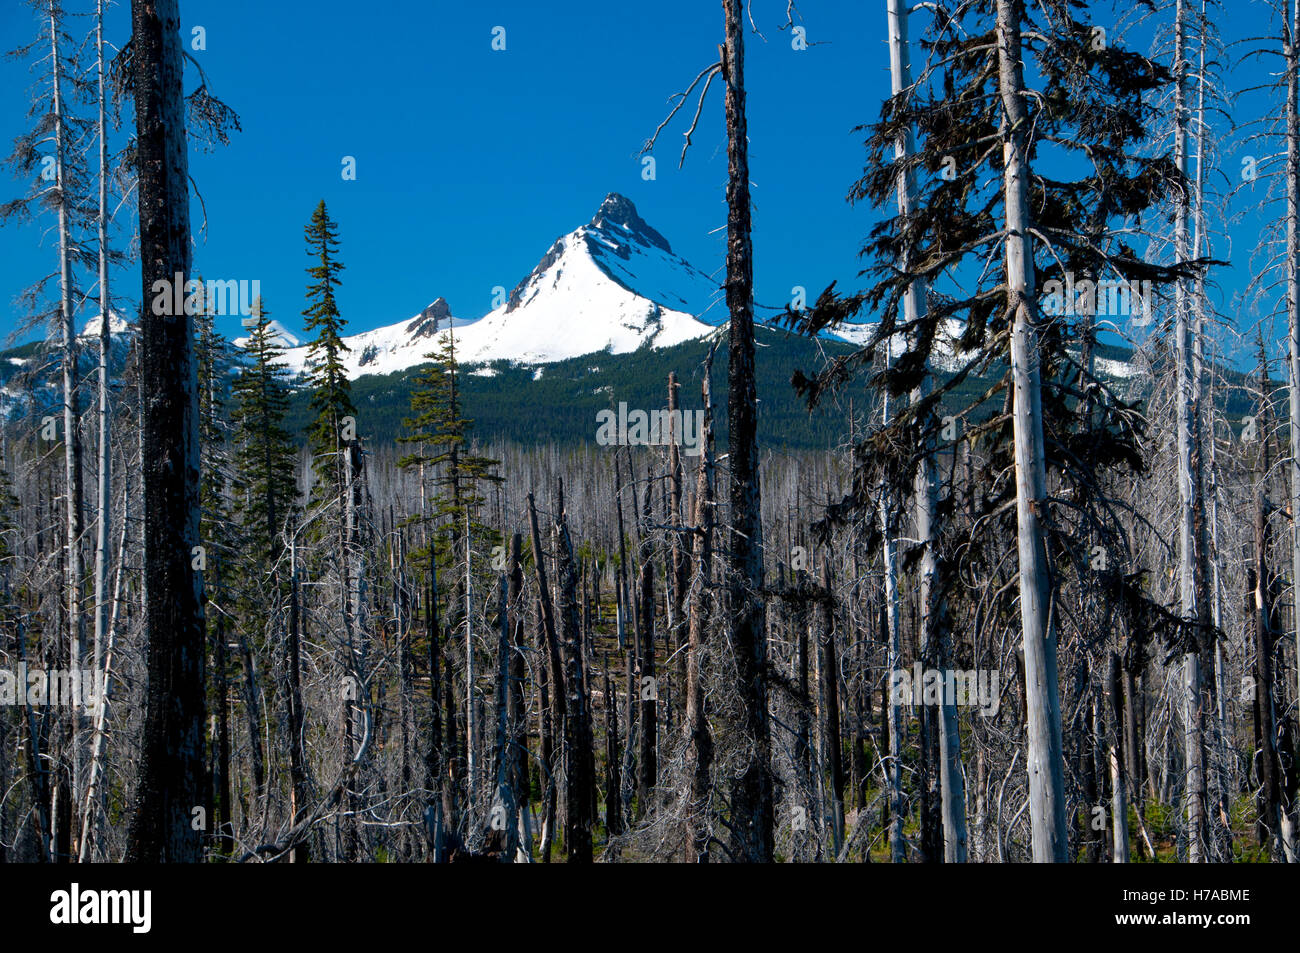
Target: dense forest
999, 582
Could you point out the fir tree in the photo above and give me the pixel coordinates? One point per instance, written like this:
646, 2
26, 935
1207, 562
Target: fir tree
444, 458
264, 451
331, 398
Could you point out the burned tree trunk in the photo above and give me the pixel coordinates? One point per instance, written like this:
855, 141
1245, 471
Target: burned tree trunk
580, 769
518, 730
172, 777
648, 691
699, 742
751, 797
830, 668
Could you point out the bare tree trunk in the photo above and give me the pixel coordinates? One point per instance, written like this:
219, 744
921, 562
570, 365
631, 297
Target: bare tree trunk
504, 817
518, 735
546, 749
471, 724
558, 701
71, 414
301, 852
830, 678
648, 691
579, 757
438, 807
1118, 783
1207, 562
105, 355
893, 626
613, 773
699, 742
752, 814
1046, 767
88, 817
171, 774
1189, 503
925, 487
352, 668
1276, 822
1291, 58
90, 807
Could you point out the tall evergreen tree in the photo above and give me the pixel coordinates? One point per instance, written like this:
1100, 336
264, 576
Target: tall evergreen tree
264, 451
331, 398
449, 468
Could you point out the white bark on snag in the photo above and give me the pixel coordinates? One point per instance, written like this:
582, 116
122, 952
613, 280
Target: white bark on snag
105, 352
1046, 768
71, 408
89, 807
1291, 58
102, 510
1209, 586
1193, 714
925, 490
1118, 783
898, 846
471, 723
699, 742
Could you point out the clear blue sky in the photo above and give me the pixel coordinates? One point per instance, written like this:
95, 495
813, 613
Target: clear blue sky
472, 161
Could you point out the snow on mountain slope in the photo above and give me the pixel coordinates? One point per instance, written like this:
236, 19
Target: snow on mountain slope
116, 325
946, 358
614, 285
280, 335
945, 344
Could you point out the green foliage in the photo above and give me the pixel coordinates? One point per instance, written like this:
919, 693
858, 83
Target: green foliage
446, 462
264, 452
331, 391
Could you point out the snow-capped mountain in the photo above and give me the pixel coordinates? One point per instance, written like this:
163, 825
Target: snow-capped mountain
116, 325
279, 335
611, 285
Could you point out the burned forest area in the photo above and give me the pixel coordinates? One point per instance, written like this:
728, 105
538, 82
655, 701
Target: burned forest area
976, 545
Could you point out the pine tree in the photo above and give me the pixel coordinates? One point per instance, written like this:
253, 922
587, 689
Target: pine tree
264, 451
443, 456
331, 398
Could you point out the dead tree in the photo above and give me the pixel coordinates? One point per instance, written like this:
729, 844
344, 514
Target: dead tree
751, 798
172, 775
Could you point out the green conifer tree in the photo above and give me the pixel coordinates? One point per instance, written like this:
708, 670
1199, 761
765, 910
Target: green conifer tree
452, 472
331, 398
264, 452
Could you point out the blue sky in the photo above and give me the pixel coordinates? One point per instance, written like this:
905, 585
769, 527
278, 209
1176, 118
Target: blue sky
471, 161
